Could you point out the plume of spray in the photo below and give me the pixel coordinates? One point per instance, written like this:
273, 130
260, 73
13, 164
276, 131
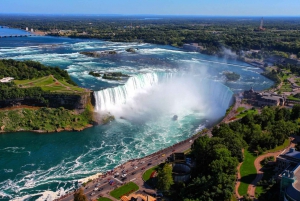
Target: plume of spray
183, 94
228, 53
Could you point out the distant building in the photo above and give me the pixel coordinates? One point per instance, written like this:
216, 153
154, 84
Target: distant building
263, 98
282, 60
7, 79
289, 164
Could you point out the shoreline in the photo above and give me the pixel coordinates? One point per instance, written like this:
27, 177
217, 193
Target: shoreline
58, 130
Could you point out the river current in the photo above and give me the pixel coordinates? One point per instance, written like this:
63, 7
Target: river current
165, 81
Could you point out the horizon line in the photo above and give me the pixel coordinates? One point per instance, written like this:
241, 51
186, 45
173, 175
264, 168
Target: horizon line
165, 15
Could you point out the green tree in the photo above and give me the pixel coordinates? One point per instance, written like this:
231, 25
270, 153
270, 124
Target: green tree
295, 112
80, 196
164, 178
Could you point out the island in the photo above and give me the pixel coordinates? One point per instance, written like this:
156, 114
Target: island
132, 50
231, 76
110, 76
99, 54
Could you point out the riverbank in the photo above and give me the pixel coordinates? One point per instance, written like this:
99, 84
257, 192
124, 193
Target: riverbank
44, 120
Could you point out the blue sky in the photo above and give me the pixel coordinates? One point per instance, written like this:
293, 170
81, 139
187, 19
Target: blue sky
159, 7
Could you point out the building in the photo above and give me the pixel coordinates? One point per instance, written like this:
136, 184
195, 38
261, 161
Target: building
263, 98
6, 79
289, 164
181, 167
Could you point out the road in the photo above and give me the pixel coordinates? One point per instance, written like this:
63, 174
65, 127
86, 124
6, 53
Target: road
134, 170
141, 164
259, 173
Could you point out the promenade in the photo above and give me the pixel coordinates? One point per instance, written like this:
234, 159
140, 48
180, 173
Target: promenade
136, 167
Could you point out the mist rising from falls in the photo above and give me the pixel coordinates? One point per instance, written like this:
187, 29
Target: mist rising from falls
108, 99
153, 95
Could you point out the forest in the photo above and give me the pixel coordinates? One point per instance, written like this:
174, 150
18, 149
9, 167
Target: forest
217, 157
280, 36
23, 70
27, 70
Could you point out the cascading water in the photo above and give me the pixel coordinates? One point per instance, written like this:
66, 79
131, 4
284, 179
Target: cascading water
108, 98
186, 90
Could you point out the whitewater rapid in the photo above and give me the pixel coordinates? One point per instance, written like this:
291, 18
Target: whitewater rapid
163, 81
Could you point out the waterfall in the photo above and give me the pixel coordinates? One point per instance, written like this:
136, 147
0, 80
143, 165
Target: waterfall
217, 94
108, 98
212, 93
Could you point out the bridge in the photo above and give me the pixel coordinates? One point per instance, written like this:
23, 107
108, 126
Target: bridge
11, 36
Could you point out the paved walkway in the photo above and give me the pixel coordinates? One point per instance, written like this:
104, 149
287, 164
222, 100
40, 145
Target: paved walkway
259, 173
238, 182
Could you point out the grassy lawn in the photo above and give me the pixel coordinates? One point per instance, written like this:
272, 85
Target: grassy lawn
124, 190
280, 147
104, 199
248, 172
233, 198
293, 98
240, 109
48, 83
242, 114
147, 174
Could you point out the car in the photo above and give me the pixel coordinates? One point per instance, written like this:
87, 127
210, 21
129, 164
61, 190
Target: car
97, 184
124, 175
143, 162
93, 193
95, 189
132, 173
143, 168
100, 189
135, 167
149, 163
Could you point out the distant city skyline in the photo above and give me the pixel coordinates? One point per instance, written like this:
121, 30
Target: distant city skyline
154, 7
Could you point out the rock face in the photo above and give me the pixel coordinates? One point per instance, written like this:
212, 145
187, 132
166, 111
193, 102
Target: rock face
76, 102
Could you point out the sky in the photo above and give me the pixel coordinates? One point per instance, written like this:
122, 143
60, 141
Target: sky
155, 7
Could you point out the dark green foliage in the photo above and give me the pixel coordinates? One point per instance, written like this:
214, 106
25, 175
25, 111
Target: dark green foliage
94, 74
216, 168
280, 36
266, 160
268, 129
22, 70
232, 76
46, 119
164, 178
295, 114
114, 76
80, 196
11, 91
272, 76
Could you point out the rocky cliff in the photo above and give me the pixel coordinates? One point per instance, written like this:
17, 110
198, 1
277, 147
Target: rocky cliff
76, 102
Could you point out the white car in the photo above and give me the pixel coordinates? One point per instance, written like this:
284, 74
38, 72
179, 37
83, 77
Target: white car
124, 175
135, 167
95, 189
